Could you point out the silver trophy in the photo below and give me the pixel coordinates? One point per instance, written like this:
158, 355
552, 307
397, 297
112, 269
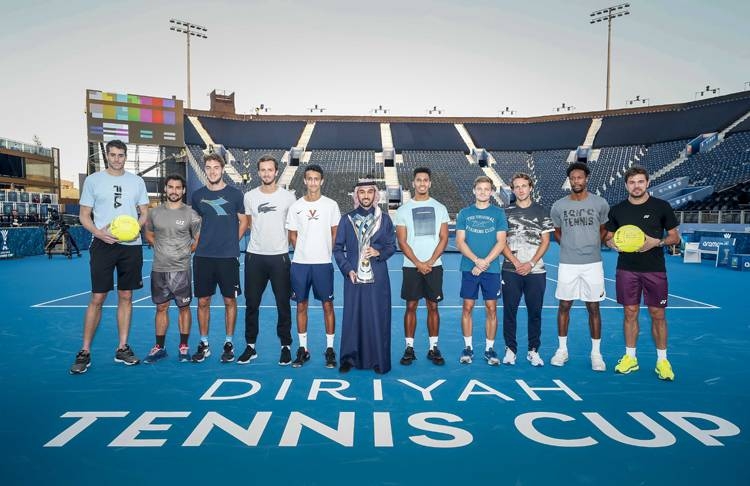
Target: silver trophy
364, 228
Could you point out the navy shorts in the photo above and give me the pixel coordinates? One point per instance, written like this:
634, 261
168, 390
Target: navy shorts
318, 276
209, 272
630, 286
490, 283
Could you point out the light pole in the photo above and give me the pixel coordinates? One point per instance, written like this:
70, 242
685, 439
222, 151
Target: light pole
706, 91
316, 109
434, 111
639, 101
380, 110
189, 29
608, 14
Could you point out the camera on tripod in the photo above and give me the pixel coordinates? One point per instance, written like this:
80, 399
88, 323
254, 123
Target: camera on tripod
58, 233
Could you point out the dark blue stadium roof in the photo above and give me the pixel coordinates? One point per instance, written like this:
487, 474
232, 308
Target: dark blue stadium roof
686, 122
564, 134
191, 135
253, 134
426, 136
345, 136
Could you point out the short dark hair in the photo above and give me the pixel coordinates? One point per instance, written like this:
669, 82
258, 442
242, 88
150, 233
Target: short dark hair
314, 168
635, 170
579, 166
119, 144
422, 170
269, 158
214, 156
175, 177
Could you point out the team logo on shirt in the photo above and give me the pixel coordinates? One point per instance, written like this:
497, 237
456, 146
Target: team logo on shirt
118, 196
216, 205
179, 222
312, 214
266, 208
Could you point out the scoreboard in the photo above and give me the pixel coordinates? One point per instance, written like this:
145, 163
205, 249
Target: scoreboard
136, 119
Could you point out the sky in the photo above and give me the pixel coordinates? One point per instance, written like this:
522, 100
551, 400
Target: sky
470, 58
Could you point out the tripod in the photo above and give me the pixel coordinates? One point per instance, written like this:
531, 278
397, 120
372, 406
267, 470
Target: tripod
64, 238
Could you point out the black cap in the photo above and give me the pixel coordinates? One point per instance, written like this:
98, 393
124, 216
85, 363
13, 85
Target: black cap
579, 166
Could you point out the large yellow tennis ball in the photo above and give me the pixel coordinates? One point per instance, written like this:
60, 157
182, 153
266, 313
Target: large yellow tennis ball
629, 238
125, 228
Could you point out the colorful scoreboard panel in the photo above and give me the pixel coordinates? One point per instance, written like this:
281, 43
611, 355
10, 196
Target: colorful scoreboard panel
136, 119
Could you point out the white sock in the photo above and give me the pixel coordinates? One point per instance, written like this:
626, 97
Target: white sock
630, 351
563, 340
433, 341
489, 343
252, 345
410, 342
329, 340
302, 340
595, 345
467, 342
661, 353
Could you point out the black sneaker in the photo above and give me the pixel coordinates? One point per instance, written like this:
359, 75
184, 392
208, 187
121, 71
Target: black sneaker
408, 356
228, 355
286, 356
203, 352
82, 363
125, 355
345, 367
435, 356
330, 358
302, 356
247, 355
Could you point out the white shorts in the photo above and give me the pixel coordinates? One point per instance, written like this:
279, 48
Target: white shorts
583, 282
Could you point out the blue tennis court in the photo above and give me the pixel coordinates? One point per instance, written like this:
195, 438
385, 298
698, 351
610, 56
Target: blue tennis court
172, 422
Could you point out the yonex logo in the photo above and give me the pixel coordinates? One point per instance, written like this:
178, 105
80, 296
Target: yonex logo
663, 302
646, 216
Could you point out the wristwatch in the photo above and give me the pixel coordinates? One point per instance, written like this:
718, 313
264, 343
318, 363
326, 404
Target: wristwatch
661, 243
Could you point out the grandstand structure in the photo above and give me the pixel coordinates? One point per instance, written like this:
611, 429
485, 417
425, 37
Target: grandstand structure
459, 149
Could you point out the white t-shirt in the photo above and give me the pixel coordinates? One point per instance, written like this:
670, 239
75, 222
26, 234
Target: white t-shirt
268, 235
313, 222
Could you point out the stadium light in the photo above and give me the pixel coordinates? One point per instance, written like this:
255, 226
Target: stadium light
190, 30
261, 108
434, 111
564, 108
379, 110
707, 91
608, 14
639, 101
746, 85
316, 109
507, 111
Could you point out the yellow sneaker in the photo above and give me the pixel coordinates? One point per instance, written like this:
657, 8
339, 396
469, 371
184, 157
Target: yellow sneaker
664, 370
627, 364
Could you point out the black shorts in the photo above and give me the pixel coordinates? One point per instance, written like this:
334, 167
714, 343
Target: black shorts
166, 286
416, 286
208, 272
105, 258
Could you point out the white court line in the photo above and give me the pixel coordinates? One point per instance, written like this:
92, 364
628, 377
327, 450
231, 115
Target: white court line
44, 304
79, 306
142, 298
711, 306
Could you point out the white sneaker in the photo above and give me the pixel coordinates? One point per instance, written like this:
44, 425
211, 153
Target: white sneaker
597, 363
534, 358
559, 358
510, 357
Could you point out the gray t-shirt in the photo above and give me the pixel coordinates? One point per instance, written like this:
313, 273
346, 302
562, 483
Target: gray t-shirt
174, 231
268, 234
579, 222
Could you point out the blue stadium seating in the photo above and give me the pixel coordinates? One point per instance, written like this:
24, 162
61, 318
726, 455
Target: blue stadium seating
346, 136
689, 121
253, 134
191, 135
529, 136
427, 136
250, 157
744, 126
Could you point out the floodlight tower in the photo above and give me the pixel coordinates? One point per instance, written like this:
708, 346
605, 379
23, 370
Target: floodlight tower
189, 29
608, 14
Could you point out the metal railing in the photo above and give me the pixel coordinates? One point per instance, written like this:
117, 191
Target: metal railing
25, 147
714, 217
